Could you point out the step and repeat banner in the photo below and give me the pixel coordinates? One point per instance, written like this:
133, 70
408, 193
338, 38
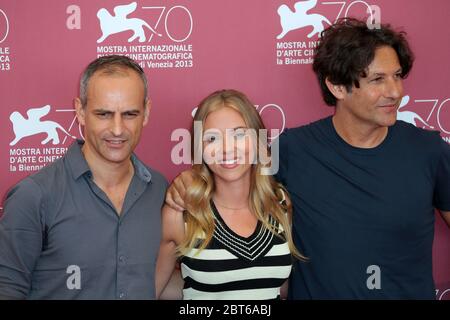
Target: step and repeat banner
189, 49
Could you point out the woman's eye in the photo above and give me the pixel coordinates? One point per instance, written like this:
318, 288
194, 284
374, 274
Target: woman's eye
210, 138
239, 133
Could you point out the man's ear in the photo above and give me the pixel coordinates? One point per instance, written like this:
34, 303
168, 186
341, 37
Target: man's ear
147, 107
339, 91
80, 111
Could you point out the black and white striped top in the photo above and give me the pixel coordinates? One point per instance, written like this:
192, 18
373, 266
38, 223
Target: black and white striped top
232, 267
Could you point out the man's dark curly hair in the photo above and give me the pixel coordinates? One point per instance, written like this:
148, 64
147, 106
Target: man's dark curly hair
348, 47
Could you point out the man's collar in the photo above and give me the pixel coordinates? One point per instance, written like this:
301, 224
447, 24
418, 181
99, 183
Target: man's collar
79, 165
76, 160
140, 169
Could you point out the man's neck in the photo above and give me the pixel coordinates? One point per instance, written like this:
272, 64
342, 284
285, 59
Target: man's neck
358, 133
113, 178
108, 175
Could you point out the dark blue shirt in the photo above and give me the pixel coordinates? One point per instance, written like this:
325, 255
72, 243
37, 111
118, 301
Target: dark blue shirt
61, 237
364, 217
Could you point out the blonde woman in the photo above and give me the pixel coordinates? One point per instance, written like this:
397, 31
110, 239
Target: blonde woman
234, 239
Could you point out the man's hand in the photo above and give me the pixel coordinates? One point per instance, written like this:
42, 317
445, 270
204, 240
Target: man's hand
177, 190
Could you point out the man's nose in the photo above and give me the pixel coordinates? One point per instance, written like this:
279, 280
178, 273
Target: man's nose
394, 88
117, 125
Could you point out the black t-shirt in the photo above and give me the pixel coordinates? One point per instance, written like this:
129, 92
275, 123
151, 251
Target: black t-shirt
364, 217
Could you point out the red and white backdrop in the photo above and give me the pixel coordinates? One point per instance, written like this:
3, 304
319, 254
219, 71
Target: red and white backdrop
189, 49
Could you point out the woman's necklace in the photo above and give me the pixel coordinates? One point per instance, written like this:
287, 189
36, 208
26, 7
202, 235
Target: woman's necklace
223, 206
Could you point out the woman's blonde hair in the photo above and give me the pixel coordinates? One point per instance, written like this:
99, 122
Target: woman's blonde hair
266, 195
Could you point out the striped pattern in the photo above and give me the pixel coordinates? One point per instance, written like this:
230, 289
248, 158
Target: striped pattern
234, 267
